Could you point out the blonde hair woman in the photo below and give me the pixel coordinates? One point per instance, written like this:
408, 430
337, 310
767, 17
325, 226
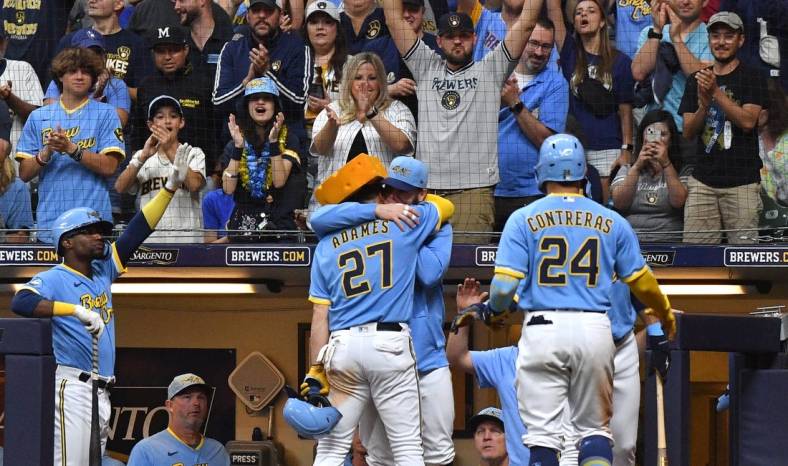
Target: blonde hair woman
363, 120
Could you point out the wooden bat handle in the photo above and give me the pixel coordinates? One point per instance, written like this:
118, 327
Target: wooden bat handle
662, 446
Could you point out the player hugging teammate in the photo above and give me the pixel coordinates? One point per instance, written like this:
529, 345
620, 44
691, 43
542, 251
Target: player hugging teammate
568, 256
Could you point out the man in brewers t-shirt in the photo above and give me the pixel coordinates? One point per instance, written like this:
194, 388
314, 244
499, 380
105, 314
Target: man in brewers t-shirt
458, 107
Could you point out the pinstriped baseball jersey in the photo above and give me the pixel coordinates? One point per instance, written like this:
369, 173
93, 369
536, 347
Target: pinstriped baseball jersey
458, 116
567, 248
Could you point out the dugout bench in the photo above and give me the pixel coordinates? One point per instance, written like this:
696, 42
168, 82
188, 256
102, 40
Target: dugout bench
26, 345
758, 377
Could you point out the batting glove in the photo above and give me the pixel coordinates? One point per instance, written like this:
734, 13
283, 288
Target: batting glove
92, 320
660, 354
179, 168
465, 317
315, 382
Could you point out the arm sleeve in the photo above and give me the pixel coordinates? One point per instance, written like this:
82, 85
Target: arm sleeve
31, 91
623, 81
555, 106
196, 161
498, 64
226, 86
420, 58
110, 135
401, 117
511, 249
434, 256
25, 302
142, 225
30, 143
484, 363
337, 216
292, 80
318, 289
645, 287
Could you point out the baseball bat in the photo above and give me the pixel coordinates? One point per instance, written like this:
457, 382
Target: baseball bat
95, 429
662, 446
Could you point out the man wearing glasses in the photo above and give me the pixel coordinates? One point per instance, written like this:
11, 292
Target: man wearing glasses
534, 106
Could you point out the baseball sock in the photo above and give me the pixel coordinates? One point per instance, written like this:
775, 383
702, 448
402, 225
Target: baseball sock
595, 450
543, 456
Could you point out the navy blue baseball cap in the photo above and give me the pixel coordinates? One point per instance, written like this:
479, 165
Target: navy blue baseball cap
455, 22
85, 38
407, 174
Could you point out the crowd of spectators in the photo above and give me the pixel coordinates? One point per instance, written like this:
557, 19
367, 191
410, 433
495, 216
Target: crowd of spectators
680, 105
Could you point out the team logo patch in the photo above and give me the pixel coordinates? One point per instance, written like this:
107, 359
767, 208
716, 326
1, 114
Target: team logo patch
454, 21
401, 170
20, 17
276, 65
321, 5
119, 134
373, 29
450, 100
124, 53
651, 197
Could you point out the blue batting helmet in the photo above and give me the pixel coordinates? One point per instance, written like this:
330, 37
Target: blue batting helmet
75, 219
311, 419
561, 158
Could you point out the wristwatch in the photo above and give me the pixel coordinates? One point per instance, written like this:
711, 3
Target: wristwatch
652, 34
517, 108
372, 113
76, 155
628, 147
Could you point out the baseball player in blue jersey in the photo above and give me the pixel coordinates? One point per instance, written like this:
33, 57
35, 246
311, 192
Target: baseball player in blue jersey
76, 294
182, 442
362, 291
405, 185
72, 145
567, 249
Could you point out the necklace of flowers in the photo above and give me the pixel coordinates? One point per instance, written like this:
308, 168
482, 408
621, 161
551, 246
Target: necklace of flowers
254, 169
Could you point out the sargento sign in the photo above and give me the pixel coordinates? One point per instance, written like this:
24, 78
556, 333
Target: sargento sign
659, 258
756, 257
153, 256
266, 256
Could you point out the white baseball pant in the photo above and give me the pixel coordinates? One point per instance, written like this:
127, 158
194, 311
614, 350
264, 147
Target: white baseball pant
73, 400
370, 367
569, 358
437, 423
626, 406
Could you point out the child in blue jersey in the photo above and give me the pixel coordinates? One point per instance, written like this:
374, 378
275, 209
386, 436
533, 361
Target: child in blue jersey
76, 294
72, 145
566, 248
362, 292
182, 442
406, 185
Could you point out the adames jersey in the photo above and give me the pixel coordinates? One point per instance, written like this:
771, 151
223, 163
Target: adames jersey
365, 273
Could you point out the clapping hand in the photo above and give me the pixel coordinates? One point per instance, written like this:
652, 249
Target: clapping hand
179, 168
510, 93
273, 136
235, 132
